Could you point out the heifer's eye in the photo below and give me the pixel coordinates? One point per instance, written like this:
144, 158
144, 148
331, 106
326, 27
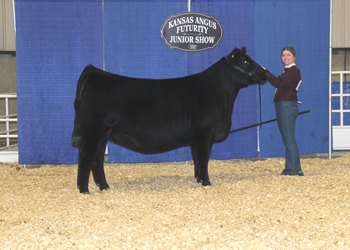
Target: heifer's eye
246, 62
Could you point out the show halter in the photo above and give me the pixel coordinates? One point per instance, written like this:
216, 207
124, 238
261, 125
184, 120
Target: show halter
250, 73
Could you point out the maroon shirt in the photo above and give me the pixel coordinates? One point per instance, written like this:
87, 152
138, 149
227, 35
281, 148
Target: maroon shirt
290, 77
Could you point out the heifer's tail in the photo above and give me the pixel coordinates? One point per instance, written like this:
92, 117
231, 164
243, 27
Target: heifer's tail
76, 139
76, 135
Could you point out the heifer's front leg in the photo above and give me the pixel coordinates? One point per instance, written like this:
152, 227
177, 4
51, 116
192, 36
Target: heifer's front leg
200, 154
97, 167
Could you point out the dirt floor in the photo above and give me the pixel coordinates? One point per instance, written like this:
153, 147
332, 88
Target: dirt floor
160, 206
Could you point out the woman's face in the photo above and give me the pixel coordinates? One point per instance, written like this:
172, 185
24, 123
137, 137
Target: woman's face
287, 57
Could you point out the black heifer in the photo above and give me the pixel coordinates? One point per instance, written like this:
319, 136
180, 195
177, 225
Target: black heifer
154, 116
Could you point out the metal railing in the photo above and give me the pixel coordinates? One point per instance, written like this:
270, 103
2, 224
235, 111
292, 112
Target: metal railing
339, 132
7, 119
341, 96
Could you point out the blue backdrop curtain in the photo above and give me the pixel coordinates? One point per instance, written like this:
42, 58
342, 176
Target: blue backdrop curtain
134, 47
55, 41
237, 20
304, 25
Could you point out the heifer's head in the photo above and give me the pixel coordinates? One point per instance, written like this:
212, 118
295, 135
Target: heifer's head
252, 72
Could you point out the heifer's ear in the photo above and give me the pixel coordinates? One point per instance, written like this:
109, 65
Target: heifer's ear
244, 50
235, 52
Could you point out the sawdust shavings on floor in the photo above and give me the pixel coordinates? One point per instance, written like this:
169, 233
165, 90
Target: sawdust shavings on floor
161, 206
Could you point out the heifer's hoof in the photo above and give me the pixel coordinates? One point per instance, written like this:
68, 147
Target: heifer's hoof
83, 190
206, 183
106, 187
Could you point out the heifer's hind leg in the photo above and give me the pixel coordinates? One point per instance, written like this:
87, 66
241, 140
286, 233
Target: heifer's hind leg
97, 167
84, 168
200, 154
90, 159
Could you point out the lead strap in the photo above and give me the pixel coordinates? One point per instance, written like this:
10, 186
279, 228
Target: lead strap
298, 86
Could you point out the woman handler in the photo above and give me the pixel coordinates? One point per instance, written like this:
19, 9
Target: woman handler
286, 104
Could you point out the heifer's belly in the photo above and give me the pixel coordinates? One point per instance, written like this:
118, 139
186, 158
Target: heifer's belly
149, 141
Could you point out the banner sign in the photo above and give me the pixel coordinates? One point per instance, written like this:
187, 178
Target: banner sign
191, 32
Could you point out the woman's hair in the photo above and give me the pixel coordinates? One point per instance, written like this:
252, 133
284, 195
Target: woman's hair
291, 50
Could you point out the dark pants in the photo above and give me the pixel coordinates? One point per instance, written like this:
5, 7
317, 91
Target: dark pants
287, 113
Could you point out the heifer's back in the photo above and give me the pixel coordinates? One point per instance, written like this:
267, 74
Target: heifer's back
153, 116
